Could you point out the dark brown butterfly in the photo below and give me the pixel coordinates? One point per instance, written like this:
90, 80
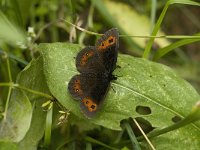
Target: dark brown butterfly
95, 64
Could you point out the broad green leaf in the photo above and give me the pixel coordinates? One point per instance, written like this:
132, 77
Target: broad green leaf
9, 33
36, 130
140, 83
8, 146
36, 82
128, 21
191, 73
186, 138
14, 126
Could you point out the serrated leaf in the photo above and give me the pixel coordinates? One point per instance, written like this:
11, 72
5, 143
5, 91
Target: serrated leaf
140, 83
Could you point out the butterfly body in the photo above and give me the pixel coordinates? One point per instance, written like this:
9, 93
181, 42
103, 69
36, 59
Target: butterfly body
95, 64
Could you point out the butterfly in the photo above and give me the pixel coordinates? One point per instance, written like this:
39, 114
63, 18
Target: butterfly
95, 64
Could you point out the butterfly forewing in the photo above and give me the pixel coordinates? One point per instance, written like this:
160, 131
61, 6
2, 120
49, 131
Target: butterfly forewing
87, 61
107, 47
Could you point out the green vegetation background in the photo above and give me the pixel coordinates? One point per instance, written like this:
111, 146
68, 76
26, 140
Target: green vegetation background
158, 84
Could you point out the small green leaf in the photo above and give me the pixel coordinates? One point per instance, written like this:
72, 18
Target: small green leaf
140, 83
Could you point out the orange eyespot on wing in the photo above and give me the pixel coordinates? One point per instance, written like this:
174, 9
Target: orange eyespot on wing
85, 57
108, 42
77, 87
91, 106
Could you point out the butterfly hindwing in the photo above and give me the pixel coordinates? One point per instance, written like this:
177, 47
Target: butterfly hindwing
75, 88
90, 90
80, 86
90, 104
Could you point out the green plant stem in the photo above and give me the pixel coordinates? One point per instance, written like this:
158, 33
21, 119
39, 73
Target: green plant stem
11, 84
81, 29
148, 141
34, 92
153, 13
47, 136
7, 102
152, 36
10, 88
155, 30
14, 57
8, 67
64, 143
131, 135
6, 84
164, 36
90, 16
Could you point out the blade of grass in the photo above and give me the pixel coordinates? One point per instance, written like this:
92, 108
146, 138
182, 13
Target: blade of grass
153, 13
160, 19
63, 144
15, 58
47, 136
163, 51
131, 135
